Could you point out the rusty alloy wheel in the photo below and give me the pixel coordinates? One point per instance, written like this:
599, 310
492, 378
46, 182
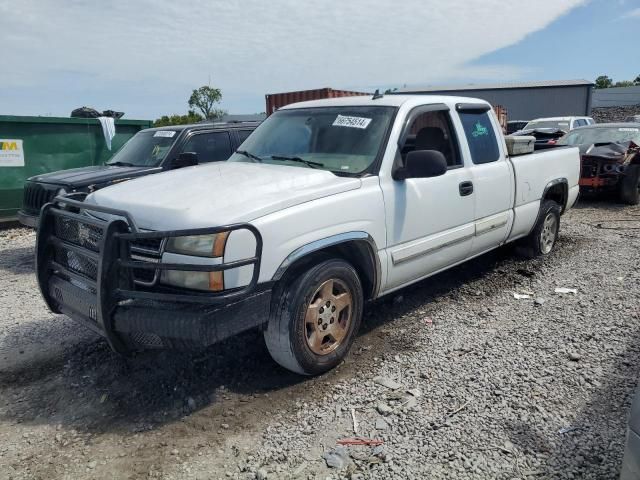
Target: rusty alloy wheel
549, 233
328, 317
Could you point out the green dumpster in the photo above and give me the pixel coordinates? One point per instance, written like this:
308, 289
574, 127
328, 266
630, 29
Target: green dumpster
34, 145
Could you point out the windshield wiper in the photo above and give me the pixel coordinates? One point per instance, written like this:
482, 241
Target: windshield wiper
121, 164
250, 155
308, 163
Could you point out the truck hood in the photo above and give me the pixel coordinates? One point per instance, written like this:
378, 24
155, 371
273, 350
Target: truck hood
97, 175
218, 193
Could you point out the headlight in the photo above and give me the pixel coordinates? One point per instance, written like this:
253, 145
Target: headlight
211, 246
199, 245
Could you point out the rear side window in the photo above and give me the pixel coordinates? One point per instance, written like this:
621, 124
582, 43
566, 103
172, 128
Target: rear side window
210, 147
243, 134
481, 137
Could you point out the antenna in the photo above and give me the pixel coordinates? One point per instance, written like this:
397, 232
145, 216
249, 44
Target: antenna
377, 95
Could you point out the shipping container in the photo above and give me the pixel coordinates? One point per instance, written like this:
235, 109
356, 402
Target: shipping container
34, 145
501, 113
275, 101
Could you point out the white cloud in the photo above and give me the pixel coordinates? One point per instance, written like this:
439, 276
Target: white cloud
632, 14
161, 49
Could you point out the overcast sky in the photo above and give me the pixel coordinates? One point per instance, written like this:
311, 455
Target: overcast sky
145, 56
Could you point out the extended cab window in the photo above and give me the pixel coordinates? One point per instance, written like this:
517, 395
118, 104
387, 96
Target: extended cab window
433, 131
481, 137
210, 147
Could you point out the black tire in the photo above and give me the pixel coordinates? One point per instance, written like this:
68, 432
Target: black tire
544, 236
287, 332
629, 189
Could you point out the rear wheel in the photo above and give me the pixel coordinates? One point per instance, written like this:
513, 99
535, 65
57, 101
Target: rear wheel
316, 317
545, 233
629, 190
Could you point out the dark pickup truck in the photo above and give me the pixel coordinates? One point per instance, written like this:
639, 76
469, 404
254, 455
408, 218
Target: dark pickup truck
150, 151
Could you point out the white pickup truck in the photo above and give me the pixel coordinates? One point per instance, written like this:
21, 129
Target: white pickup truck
327, 205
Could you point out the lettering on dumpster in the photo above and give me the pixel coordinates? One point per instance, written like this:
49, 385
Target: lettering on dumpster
11, 153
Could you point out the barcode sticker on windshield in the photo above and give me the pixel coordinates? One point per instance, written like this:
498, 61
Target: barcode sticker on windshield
353, 122
629, 129
164, 133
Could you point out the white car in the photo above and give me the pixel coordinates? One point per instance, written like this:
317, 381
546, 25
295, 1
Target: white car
559, 123
327, 204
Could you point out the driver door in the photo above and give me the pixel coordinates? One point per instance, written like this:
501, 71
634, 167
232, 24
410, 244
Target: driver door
430, 221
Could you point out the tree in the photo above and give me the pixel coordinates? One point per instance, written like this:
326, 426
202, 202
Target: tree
204, 99
176, 119
637, 80
624, 83
604, 82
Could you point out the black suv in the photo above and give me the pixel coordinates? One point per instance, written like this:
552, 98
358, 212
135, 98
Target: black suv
150, 151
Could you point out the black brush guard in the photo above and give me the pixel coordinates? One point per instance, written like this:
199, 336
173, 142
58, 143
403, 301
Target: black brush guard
85, 270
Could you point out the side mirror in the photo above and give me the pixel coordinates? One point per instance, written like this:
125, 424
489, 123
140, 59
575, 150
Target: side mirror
422, 164
185, 159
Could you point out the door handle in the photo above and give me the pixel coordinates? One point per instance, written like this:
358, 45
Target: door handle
466, 188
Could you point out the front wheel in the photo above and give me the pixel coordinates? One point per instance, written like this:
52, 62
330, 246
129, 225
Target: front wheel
316, 316
629, 189
545, 232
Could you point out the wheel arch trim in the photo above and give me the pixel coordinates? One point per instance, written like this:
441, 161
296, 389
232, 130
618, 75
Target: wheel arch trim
565, 191
332, 241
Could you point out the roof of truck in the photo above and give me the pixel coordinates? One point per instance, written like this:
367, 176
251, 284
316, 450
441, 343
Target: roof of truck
385, 100
206, 125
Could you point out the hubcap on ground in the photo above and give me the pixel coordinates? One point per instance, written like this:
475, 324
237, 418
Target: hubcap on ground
549, 232
328, 317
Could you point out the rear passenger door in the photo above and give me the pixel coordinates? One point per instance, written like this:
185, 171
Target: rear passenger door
492, 174
209, 146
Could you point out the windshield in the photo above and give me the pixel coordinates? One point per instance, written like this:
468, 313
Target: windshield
555, 124
589, 136
145, 149
339, 139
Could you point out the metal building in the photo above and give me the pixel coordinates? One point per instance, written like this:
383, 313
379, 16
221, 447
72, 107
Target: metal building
617, 97
525, 101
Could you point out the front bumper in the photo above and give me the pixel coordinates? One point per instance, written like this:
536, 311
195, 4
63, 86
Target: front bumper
86, 270
28, 219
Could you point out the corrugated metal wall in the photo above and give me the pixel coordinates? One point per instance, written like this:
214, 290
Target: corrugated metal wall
616, 97
530, 103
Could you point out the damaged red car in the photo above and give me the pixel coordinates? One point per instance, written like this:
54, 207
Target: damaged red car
610, 155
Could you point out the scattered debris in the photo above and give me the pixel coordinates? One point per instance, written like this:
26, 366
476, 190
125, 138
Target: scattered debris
262, 474
428, 320
381, 424
458, 410
103, 398
415, 392
384, 409
566, 290
539, 301
355, 422
337, 458
521, 296
387, 382
359, 441
574, 357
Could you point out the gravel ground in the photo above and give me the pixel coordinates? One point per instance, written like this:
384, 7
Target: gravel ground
454, 377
